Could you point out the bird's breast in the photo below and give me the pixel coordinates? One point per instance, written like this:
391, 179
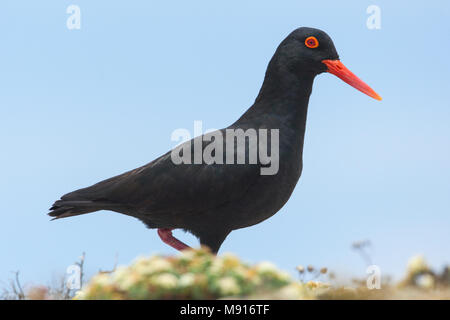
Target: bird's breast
269, 193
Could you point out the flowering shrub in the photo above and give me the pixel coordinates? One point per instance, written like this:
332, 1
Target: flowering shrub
195, 274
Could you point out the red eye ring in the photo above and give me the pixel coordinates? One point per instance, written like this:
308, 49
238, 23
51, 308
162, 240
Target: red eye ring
311, 42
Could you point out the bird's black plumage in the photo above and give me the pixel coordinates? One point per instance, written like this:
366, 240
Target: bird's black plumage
212, 200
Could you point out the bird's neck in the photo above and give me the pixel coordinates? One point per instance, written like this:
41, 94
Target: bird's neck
282, 101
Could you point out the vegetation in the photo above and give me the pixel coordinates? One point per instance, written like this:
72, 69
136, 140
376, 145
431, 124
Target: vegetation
198, 274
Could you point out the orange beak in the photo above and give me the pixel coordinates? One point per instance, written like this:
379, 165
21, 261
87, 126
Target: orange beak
337, 68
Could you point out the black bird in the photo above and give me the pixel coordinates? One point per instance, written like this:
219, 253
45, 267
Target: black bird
212, 199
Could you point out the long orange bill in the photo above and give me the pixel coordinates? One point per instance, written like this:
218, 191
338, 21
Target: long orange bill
337, 68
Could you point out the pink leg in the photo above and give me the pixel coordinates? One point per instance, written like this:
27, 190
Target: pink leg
167, 237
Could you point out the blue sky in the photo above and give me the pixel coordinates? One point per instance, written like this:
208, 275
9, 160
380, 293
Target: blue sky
79, 106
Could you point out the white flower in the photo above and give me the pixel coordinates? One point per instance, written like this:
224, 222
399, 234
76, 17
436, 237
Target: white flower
102, 279
142, 260
216, 266
228, 286
417, 264
79, 295
188, 254
125, 277
120, 273
166, 280
426, 281
241, 271
186, 280
266, 266
300, 268
129, 281
153, 265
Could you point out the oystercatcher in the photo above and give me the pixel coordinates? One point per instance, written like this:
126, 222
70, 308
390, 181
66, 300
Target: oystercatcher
212, 198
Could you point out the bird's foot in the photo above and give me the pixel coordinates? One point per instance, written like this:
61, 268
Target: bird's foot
167, 237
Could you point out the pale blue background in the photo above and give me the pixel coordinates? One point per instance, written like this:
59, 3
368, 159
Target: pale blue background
80, 106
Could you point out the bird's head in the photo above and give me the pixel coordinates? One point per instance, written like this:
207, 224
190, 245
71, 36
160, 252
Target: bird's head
312, 50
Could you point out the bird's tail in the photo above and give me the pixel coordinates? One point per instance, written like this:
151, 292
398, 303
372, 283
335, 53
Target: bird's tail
86, 200
78, 202
69, 208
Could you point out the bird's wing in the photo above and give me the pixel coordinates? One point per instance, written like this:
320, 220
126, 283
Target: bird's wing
162, 186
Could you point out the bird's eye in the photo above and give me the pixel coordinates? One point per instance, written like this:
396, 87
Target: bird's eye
311, 42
